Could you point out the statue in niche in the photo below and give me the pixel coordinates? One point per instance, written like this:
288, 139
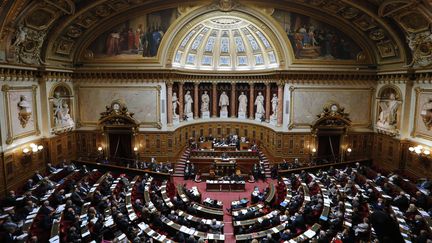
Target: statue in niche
223, 102
188, 105
205, 101
61, 112
242, 103
388, 114
25, 110
259, 102
175, 102
426, 114
67, 119
275, 103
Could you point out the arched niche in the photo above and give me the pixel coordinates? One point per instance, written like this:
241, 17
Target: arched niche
61, 101
389, 101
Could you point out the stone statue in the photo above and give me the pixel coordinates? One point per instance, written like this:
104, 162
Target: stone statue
205, 101
188, 105
274, 102
388, 115
25, 110
21, 35
67, 119
175, 102
259, 102
61, 112
242, 103
224, 102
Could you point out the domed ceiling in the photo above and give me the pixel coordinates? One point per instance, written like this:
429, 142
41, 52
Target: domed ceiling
225, 43
56, 32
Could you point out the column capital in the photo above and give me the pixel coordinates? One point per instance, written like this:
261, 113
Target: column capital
233, 83
280, 83
251, 83
169, 83
268, 84
196, 83
214, 83
182, 82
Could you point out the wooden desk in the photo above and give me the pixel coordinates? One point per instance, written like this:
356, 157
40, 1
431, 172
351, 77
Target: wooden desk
205, 145
225, 148
225, 186
271, 194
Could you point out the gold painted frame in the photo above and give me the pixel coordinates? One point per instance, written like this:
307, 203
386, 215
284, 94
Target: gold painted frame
415, 132
292, 89
11, 137
152, 124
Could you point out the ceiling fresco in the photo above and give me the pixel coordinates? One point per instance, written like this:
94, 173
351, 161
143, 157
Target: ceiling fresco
54, 32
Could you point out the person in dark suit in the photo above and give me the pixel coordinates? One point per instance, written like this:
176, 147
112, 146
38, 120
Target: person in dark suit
46, 209
401, 201
76, 197
51, 168
28, 185
11, 199
37, 176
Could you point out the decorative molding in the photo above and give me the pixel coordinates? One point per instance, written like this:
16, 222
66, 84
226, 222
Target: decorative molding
157, 123
292, 89
415, 132
11, 137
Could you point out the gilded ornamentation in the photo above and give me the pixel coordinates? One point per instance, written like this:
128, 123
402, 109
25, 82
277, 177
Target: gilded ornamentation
226, 5
28, 44
333, 115
24, 110
117, 114
421, 48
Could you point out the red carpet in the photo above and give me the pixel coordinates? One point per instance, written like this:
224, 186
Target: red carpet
226, 198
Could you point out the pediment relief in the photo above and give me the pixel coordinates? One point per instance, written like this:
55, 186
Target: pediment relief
117, 114
332, 116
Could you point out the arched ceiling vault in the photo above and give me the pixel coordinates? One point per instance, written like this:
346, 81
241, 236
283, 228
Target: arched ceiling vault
55, 27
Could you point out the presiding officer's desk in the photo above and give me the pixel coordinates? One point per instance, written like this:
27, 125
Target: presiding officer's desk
225, 186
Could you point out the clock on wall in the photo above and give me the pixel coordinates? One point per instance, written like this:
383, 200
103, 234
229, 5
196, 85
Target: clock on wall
334, 108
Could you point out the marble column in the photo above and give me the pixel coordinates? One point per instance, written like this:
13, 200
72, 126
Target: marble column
181, 100
251, 101
214, 100
169, 103
196, 101
233, 100
267, 102
281, 86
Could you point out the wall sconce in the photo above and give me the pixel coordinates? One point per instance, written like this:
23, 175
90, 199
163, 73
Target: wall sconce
349, 150
100, 152
135, 149
33, 149
420, 150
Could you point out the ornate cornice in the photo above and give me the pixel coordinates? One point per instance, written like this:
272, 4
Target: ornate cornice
158, 76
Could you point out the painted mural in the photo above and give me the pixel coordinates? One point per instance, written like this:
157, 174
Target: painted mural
137, 37
313, 39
